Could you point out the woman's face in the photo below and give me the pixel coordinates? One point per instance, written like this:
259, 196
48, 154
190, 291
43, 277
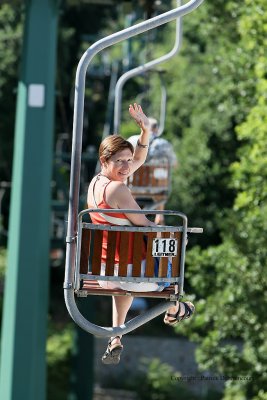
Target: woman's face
119, 166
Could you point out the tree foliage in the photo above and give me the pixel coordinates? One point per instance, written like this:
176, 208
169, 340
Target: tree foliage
221, 183
11, 19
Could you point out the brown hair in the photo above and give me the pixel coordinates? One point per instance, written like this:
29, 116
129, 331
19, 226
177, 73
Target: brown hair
112, 144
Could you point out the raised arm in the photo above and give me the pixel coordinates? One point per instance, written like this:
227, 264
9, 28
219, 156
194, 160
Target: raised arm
141, 148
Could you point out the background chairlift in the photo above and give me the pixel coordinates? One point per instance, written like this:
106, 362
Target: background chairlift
76, 234
151, 183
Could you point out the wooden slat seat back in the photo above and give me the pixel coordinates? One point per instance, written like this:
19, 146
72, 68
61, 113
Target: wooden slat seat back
118, 241
92, 243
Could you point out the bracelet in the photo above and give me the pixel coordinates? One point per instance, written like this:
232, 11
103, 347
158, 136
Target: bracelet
144, 146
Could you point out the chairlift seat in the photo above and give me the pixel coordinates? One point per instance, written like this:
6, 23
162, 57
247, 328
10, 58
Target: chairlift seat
89, 287
89, 252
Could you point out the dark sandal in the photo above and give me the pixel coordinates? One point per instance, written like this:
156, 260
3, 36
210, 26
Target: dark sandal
176, 317
113, 352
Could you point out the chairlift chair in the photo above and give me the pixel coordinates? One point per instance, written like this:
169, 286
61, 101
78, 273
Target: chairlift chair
163, 244
84, 240
151, 183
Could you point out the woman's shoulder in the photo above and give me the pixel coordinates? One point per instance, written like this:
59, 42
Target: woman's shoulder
115, 192
117, 189
117, 186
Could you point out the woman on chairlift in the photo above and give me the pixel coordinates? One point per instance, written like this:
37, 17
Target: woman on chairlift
108, 190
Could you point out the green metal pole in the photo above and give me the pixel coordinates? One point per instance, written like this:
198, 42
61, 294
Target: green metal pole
23, 366
82, 371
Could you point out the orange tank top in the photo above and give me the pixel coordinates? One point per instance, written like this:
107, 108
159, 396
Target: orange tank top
113, 219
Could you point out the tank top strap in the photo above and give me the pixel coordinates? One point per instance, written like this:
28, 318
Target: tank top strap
104, 192
103, 196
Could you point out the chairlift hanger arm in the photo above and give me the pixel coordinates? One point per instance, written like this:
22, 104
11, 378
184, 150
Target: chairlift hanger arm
143, 68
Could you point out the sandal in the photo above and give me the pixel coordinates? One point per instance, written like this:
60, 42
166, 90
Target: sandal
113, 352
189, 310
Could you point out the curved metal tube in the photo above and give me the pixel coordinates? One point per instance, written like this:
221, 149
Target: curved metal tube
162, 106
143, 68
77, 142
102, 331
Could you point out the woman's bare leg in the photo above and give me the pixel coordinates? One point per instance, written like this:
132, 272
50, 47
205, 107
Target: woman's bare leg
120, 308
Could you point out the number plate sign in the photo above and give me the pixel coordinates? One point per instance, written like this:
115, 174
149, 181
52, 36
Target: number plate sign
164, 247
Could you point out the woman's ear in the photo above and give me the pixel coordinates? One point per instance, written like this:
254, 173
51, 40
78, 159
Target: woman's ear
102, 161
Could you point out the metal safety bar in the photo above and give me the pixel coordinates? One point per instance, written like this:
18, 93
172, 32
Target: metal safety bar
76, 169
140, 70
